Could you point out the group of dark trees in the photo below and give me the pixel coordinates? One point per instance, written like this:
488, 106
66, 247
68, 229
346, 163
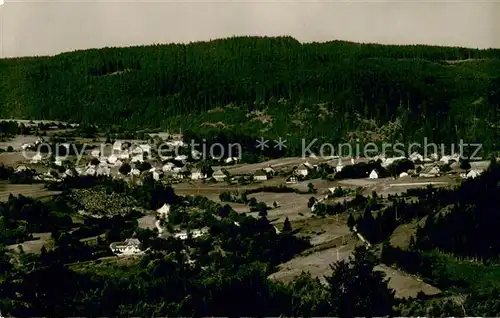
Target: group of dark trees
213, 88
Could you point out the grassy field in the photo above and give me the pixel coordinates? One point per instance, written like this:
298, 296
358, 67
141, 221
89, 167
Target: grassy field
36, 190
35, 245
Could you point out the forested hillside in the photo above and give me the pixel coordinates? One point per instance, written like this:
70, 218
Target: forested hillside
271, 86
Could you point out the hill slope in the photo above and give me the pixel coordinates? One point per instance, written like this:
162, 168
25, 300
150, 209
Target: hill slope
275, 85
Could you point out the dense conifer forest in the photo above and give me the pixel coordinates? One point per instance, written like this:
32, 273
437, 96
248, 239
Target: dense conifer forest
251, 86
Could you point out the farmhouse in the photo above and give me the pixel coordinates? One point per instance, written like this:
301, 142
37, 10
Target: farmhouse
430, 172
219, 175
112, 159
21, 168
117, 146
339, 166
124, 155
374, 174
163, 211
303, 169
291, 179
416, 157
260, 175
194, 234
231, 160
269, 170
474, 173
137, 158
129, 247
196, 174
390, 161
36, 158
135, 172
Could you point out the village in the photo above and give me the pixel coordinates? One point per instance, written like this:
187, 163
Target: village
288, 189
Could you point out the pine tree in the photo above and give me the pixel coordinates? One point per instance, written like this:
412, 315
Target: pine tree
287, 226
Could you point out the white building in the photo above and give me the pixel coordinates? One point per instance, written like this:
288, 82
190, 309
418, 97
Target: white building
169, 166
96, 153
129, 247
231, 160
138, 158
197, 175
219, 175
164, 211
125, 155
112, 159
135, 172
36, 158
416, 157
403, 174
474, 173
260, 175
181, 158
117, 146
269, 169
303, 169
373, 174
90, 171
194, 234
21, 168
339, 166
390, 161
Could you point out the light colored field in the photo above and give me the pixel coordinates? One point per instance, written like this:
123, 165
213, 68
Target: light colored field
147, 222
277, 164
290, 205
33, 246
18, 141
406, 285
36, 190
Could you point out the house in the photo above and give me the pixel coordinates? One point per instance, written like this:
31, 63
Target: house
112, 159
339, 166
102, 171
135, 172
291, 179
169, 166
416, 157
303, 169
156, 175
260, 175
472, 174
90, 171
269, 170
181, 158
231, 160
332, 190
125, 155
196, 154
430, 172
138, 158
117, 146
163, 211
129, 247
118, 163
447, 159
196, 174
403, 174
374, 174
96, 153
21, 168
27, 146
69, 173
36, 158
219, 175
58, 161
390, 161
194, 234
